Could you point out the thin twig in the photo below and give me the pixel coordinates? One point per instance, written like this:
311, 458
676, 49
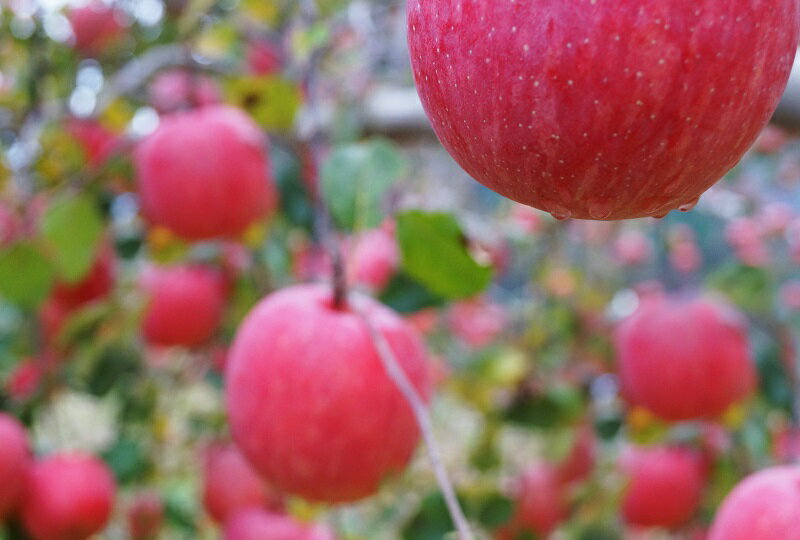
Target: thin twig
420, 410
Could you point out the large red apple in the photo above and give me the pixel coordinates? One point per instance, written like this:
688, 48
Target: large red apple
309, 403
95, 26
185, 305
664, 485
205, 173
68, 497
15, 463
684, 359
257, 524
764, 506
230, 484
601, 109
541, 503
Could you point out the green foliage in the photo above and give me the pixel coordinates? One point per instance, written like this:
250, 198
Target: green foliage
25, 275
435, 253
355, 179
72, 227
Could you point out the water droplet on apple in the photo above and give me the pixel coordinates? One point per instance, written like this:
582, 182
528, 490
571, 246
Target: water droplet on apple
688, 206
601, 209
561, 216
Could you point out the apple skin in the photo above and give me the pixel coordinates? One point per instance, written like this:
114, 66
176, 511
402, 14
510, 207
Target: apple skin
69, 496
185, 305
309, 403
540, 503
145, 515
601, 109
205, 173
763, 506
257, 524
95, 285
176, 88
230, 484
15, 464
665, 485
684, 359
578, 465
95, 27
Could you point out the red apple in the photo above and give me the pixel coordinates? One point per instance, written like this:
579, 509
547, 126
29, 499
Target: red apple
309, 402
205, 173
95, 285
763, 506
257, 524
684, 359
633, 247
580, 461
24, 381
664, 486
15, 464
68, 497
540, 503
145, 515
604, 109
230, 484
97, 141
95, 27
174, 89
263, 57
185, 305
374, 258
478, 321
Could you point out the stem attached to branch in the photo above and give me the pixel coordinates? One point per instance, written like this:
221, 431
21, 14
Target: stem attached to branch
420, 410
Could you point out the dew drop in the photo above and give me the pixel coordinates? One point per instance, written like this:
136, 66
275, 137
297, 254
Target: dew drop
601, 208
561, 216
688, 206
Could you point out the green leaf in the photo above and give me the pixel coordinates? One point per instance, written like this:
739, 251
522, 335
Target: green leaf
405, 295
435, 254
72, 229
294, 198
128, 460
355, 179
432, 521
272, 101
26, 276
495, 511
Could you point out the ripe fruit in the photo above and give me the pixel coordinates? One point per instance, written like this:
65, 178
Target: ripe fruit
580, 461
610, 109
68, 497
763, 506
374, 258
185, 305
95, 26
176, 88
263, 57
684, 359
205, 173
478, 321
664, 486
95, 285
230, 484
15, 462
309, 403
145, 515
540, 503
256, 524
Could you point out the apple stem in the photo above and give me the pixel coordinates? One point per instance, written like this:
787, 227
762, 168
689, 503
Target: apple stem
420, 410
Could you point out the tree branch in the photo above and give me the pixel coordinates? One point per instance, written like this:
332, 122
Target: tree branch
420, 410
